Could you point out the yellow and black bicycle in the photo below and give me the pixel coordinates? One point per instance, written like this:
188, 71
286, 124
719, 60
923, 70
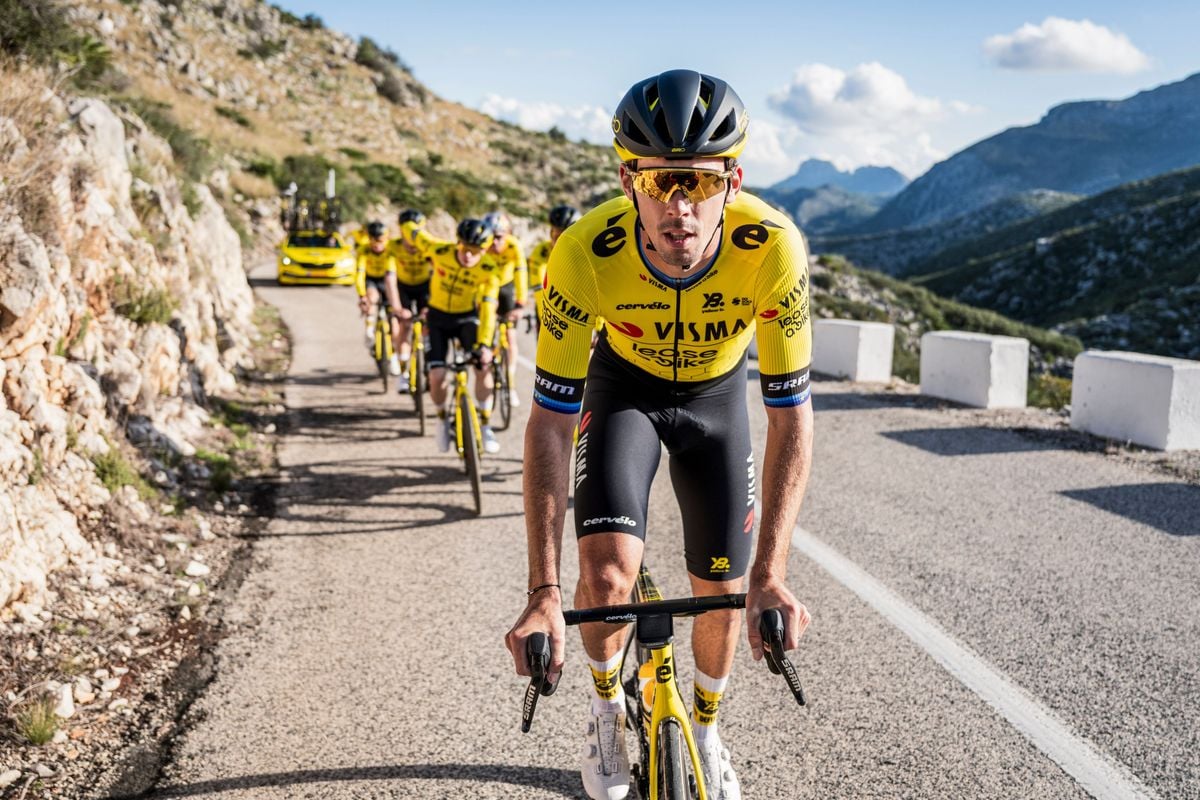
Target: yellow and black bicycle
468, 432
418, 378
501, 366
669, 767
381, 343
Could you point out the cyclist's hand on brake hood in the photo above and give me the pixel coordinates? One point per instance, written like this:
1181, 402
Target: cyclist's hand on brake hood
764, 593
542, 613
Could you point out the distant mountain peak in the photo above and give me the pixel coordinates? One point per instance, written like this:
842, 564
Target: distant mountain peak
815, 173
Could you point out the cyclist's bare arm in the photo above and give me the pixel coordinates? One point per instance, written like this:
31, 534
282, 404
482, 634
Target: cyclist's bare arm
786, 465
547, 472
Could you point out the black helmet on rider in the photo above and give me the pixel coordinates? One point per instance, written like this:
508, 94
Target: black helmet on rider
474, 233
413, 216
562, 217
499, 222
679, 114
376, 229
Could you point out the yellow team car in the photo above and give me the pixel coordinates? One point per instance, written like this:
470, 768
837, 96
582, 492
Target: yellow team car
315, 257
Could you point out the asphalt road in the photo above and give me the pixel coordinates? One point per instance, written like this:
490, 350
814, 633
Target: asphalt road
994, 617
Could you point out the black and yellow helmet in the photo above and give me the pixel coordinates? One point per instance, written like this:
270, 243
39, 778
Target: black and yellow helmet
562, 217
474, 232
680, 114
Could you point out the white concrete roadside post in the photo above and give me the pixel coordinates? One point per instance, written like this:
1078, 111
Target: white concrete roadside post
975, 369
1150, 400
859, 351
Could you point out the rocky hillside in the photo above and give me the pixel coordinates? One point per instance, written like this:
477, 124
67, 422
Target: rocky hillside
1078, 148
123, 306
840, 290
823, 211
282, 98
902, 252
1120, 270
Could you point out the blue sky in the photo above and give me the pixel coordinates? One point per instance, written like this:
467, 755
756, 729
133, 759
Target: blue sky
857, 82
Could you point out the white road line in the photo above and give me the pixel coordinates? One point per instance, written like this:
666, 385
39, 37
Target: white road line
1100, 776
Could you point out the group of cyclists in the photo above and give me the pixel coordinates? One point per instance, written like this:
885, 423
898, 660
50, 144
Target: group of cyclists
684, 268
461, 288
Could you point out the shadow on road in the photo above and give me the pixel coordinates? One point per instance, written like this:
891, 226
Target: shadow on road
1172, 508
975, 441
850, 401
560, 781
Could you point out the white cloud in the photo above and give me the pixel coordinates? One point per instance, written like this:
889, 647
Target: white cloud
868, 115
591, 123
1064, 44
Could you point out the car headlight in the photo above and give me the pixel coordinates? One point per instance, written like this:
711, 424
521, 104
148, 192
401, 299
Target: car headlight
285, 261
346, 263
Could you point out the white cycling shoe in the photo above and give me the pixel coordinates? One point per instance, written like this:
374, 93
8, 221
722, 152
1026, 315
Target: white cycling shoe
720, 781
605, 766
394, 365
514, 399
490, 444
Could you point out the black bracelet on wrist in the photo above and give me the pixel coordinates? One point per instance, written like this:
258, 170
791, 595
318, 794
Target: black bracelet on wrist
537, 589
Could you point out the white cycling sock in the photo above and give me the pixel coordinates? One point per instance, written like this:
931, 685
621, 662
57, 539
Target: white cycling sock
707, 702
609, 695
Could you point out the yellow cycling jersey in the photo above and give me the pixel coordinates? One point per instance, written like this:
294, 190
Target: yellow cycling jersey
689, 330
539, 257
412, 265
513, 268
372, 265
455, 289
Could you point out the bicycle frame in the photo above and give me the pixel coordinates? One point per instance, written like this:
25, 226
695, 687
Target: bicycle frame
461, 391
654, 634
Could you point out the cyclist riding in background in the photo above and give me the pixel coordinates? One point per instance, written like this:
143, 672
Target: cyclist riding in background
560, 219
506, 252
462, 305
375, 277
412, 278
685, 269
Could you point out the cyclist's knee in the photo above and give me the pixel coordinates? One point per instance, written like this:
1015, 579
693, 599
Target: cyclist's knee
606, 583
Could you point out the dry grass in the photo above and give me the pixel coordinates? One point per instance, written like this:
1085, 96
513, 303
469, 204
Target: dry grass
24, 163
252, 185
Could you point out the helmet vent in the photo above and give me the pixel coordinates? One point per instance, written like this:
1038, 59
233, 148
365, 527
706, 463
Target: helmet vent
727, 126
631, 130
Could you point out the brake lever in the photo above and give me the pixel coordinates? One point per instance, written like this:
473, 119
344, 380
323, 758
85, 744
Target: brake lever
537, 655
770, 627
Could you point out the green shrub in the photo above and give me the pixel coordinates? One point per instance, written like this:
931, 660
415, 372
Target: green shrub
386, 181
236, 116
41, 31
36, 721
379, 59
145, 306
353, 153
114, 471
1049, 391
221, 471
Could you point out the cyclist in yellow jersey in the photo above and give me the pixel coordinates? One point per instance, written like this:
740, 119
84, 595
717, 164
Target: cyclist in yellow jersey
375, 277
360, 238
684, 268
463, 292
514, 286
412, 280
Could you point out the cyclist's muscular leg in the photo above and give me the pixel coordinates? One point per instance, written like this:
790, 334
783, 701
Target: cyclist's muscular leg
608, 568
404, 334
715, 634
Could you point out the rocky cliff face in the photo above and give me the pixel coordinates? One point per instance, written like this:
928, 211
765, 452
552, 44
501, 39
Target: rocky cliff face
123, 303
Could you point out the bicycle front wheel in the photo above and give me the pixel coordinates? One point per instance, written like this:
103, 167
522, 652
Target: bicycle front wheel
416, 385
471, 452
382, 361
672, 750
502, 386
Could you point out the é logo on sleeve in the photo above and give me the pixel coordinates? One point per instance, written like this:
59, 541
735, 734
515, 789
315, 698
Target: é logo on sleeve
610, 240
